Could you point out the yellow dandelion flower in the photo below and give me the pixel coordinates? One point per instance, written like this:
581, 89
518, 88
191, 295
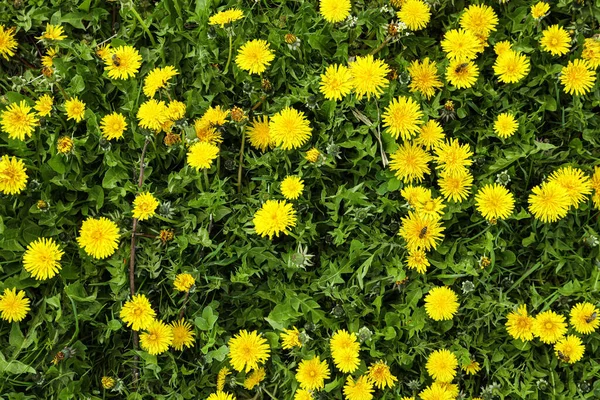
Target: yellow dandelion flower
433, 207
479, 19
13, 305
424, 77
471, 368
379, 373
436, 392
292, 187
289, 128
255, 378
585, 318
402, 118
137, 312
311, 374
549, 202
415, 14
336, 82
201, 155
417, 260
113, 126
152, 114
441, 365
273, 218
254, 56
176, 110
247, 350
158, 78
99, 237
75, 109
511, 66
42, 258
505, 125
303, 394
64, 145
569, 349
494, 201
441, 303
415, 194
18, 122
421, 231
221, 396
368, 76
577, 77
460, 44
157, 338
184, 282
549, 326
540, 9
574, 182
345, 350
502, 47
259, 134
108, 382
124, 62
456, 186
8, 44
334, 10
462, 74
221, 377
53, 32
452, 157
312, 155
410, 162
430, 135
103, 51
144, 206
591, 52
13, 175
44, 105
359, 389
555, 40
226, 17
183, 334
290, 338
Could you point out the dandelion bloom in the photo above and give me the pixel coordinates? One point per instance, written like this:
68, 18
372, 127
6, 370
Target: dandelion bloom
519, 324
569, 349
511, 66
18, 122
207, 133
591, 52
456, 186
176, 110
417, 260
13, 175
555, 40
359, 389
221, 396
8, 44
424, 77
113, 126
460, 44
452, 157
441, 365
42, 258
184, 282
479, 19
124, 62
577, 77
345, 351
379, 373
201, 155
158, 78
255, 378
368, 76
289, 128
502, 47
99, 237
436, 392
44, 105
549, 326
13, 305
334, 10
585, 318
574, 182
410, 162
290, 338
254, 56
247, 350
540, 9
505, 125
335, 82
292, 187
402, 117
108, 382
183, 334
415, 14
433, 207
152, 114
415, 194
144, 206
311, 374
157, 338
312, 155
53, 32
303, 394
75, 109
137, 313
494, 201
259, 134
226, 17
431, 135
441, 303
273, 218
471, 368
462, 74
221, 378
549, 202
421, 231
64, 144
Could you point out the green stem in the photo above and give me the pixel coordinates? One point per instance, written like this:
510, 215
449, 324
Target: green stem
144, 26
206, 179
229, 55
62, 91
239, 182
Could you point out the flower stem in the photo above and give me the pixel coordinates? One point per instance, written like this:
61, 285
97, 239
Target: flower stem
239, 182
229, 55
206, 179
144, 26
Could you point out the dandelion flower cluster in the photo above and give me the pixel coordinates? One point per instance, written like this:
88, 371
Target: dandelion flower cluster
345, 350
